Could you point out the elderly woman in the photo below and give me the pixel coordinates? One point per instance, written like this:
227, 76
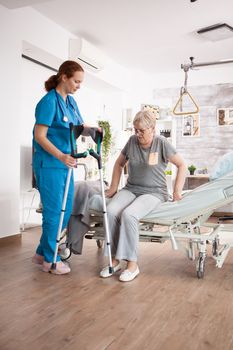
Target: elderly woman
147, 156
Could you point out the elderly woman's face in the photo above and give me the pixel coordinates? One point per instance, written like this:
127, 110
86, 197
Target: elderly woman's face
144, 134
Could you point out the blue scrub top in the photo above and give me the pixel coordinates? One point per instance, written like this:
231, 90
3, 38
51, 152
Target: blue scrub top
53, 111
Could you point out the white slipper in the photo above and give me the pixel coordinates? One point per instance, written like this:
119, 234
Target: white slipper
105, 272
127, 276
61, 268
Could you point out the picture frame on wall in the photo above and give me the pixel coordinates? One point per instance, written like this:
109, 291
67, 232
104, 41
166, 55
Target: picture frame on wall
191, 125
152, 108
224, 116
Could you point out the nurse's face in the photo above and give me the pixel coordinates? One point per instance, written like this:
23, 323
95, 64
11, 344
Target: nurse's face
72, 84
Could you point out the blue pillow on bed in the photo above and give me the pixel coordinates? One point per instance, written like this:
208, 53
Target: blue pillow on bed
223, 166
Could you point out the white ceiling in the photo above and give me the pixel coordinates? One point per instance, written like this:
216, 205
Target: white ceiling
151, 35
13, 4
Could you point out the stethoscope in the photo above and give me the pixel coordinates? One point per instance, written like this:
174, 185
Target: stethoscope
65, 118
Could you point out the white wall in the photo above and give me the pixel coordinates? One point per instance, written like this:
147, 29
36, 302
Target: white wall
10, 121
31, 91
18, 25
19, 94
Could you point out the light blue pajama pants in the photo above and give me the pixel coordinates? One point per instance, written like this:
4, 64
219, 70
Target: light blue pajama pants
51, 185
124, 212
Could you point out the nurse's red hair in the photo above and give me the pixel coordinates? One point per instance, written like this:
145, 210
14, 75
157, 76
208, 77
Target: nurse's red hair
68, 68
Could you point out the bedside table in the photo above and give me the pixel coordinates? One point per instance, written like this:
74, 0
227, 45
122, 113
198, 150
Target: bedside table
193, 181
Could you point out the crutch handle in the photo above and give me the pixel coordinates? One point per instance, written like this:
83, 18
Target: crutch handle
94, 154
80, 155
97, 157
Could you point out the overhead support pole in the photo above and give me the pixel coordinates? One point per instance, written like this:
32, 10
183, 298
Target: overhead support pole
184, 90
192, 65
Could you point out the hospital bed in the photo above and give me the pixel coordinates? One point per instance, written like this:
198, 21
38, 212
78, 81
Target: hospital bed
183, 223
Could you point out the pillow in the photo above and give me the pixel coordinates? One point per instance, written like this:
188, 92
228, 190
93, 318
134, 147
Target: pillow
223, 166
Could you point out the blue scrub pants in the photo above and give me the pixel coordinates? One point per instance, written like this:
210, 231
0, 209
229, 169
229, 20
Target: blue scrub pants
51, 185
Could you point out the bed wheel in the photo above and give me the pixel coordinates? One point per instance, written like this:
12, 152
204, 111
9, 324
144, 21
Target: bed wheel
200, 266
64, 252
99, 243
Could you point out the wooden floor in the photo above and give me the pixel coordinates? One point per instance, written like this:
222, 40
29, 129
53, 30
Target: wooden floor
165, 308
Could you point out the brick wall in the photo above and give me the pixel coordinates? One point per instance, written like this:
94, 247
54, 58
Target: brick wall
214, 140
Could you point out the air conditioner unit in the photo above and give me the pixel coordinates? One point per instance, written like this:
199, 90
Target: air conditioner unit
85, 54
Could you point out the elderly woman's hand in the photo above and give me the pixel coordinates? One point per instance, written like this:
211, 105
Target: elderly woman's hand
110, 192
177, 196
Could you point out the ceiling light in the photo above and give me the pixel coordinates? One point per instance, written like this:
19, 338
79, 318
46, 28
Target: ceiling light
217, 32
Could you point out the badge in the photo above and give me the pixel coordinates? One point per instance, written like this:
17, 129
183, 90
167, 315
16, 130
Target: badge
65, 119
153, 158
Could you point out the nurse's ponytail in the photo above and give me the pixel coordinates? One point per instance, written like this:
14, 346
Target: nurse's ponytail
51, 83
67, 68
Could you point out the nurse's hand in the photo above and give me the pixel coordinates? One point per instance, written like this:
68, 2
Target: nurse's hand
68, 160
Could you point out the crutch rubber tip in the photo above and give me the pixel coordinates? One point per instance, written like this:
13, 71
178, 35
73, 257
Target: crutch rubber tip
111, 269
53, 266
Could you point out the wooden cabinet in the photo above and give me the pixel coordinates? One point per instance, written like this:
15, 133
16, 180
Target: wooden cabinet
193, 181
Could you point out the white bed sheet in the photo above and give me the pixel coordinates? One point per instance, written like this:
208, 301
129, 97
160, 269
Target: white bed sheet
199, 202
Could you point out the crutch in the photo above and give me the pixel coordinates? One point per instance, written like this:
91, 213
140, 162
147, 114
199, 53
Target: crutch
98, 137
74, 134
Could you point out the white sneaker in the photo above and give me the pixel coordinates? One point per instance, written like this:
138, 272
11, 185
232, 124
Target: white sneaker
127, 276
105, 272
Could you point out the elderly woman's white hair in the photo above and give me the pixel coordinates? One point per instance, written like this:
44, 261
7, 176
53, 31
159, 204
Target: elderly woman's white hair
146, 118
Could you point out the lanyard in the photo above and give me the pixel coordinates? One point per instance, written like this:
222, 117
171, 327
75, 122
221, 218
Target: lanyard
66, 108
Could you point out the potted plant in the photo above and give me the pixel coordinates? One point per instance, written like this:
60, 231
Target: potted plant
107, 141
192, 169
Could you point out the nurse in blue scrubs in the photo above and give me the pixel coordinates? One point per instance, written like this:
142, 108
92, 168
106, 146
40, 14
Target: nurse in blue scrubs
51, 158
